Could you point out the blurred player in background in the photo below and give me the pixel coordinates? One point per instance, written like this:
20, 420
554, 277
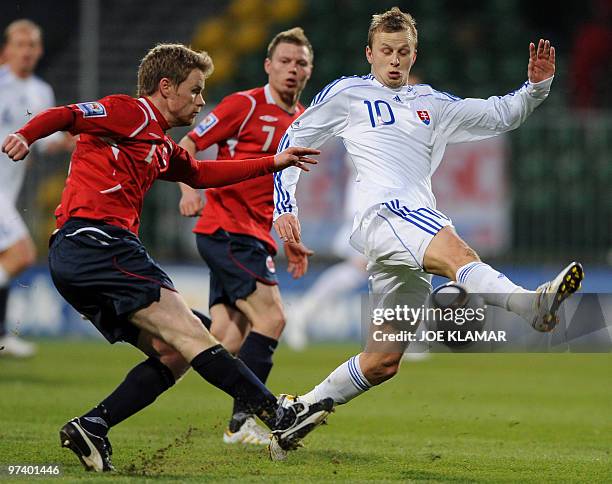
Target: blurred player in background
395, 135
22, 94
102, 269
233, 231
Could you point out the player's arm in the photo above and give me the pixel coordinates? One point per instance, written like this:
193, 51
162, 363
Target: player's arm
221, 124
57, 142
110, 116
473, 119
316, 125
211, 174
17, 145
191, 203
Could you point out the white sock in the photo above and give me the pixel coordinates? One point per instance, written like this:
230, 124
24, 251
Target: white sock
4, 276
496, 288
343, 384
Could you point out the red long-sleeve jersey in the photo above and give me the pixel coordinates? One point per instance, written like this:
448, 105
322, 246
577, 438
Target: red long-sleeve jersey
122, 150
245, 124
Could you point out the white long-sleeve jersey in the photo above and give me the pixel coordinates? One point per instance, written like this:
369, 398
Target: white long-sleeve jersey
19, 100
396, 137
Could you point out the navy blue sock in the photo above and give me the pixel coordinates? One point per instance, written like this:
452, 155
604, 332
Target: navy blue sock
205, 319
142, 385
256, 353
232, 376
4, 292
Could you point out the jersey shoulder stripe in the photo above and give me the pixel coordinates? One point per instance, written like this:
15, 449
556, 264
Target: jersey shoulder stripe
423, 90
339, 85
256, 93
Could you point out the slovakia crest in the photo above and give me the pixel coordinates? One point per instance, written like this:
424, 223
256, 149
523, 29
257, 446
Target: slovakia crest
424, 116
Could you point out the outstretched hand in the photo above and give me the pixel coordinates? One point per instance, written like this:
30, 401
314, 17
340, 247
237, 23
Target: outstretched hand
541, 61
295, 156
16, 147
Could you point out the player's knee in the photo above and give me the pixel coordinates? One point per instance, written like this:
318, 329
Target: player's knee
458, 258
271, 322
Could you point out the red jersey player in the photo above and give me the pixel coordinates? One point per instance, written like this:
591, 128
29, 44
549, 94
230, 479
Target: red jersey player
233, 231
102, 269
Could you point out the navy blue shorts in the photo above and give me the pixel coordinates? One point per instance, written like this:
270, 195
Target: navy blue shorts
236, 263
106, 274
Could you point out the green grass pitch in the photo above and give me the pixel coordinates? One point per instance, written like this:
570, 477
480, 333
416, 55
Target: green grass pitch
451, 418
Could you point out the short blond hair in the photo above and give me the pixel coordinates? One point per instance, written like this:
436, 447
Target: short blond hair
393, 20
172, 61
20, 24
295, 36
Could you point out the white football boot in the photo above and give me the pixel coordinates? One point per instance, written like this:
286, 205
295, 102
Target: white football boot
551, 294
248, 433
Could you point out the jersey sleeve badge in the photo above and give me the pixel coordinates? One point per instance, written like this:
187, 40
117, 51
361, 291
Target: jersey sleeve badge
205, 125
92, 110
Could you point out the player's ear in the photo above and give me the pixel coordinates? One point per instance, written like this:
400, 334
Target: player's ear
267, 65
165, 85
368, 53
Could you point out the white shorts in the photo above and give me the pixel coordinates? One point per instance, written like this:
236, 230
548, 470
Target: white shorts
395, 239
12, 227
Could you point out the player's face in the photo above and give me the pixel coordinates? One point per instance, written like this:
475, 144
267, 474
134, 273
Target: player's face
391, 56
22, 51
288, 70
185, 100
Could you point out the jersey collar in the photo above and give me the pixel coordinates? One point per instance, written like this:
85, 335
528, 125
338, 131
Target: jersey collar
155, 114
400, 90
268, 94
270, 100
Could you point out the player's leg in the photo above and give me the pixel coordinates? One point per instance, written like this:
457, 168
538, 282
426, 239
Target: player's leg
448, 255
141, 386
17, 253
390, 286
394, 248
171, 320
243, 282
87, 435
263, 311
107, 275
229, 326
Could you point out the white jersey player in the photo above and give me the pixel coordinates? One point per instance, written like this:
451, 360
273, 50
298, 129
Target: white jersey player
21, 95
395, 135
